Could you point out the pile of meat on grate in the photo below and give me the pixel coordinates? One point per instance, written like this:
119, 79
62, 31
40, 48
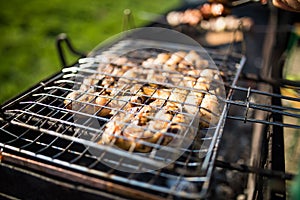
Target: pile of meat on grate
149, 102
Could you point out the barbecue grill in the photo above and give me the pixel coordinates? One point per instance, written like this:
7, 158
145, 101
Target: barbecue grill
45, 143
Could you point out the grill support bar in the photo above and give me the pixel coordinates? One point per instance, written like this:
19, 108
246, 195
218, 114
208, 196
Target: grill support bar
255, 170
278, 192
74, 176
277, 157
259, 135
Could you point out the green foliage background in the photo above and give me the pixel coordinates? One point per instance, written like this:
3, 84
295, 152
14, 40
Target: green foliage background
28, 30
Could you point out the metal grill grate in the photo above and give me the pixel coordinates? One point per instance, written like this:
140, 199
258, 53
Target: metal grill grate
41, 127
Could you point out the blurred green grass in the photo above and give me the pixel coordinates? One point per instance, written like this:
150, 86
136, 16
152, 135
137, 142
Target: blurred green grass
29, 28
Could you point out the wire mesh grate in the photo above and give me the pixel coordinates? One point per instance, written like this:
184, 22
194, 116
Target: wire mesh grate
42, 125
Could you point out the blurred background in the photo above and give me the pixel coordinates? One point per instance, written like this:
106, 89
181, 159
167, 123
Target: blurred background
29, 29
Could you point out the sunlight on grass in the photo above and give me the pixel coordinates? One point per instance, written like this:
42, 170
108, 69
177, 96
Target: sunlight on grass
29, 28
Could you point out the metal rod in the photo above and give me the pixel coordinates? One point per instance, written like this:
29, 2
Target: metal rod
260, 121
265, 107
271, 81
128, 20
259, 171
277, 147
278, 95
62, 38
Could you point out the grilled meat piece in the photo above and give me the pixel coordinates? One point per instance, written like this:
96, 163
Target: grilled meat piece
194, 16
86, 103
152, 104
209, 111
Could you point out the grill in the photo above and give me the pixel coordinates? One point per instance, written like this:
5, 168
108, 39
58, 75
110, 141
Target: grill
40, 135
49, 133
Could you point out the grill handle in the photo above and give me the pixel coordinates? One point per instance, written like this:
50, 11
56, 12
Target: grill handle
60, 40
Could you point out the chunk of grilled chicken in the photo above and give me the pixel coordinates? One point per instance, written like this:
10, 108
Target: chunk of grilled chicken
146, 116
209, 111
100, 105
86, 103
151, 124
127, 129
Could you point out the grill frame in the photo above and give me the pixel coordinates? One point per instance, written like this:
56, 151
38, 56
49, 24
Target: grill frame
208, 162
